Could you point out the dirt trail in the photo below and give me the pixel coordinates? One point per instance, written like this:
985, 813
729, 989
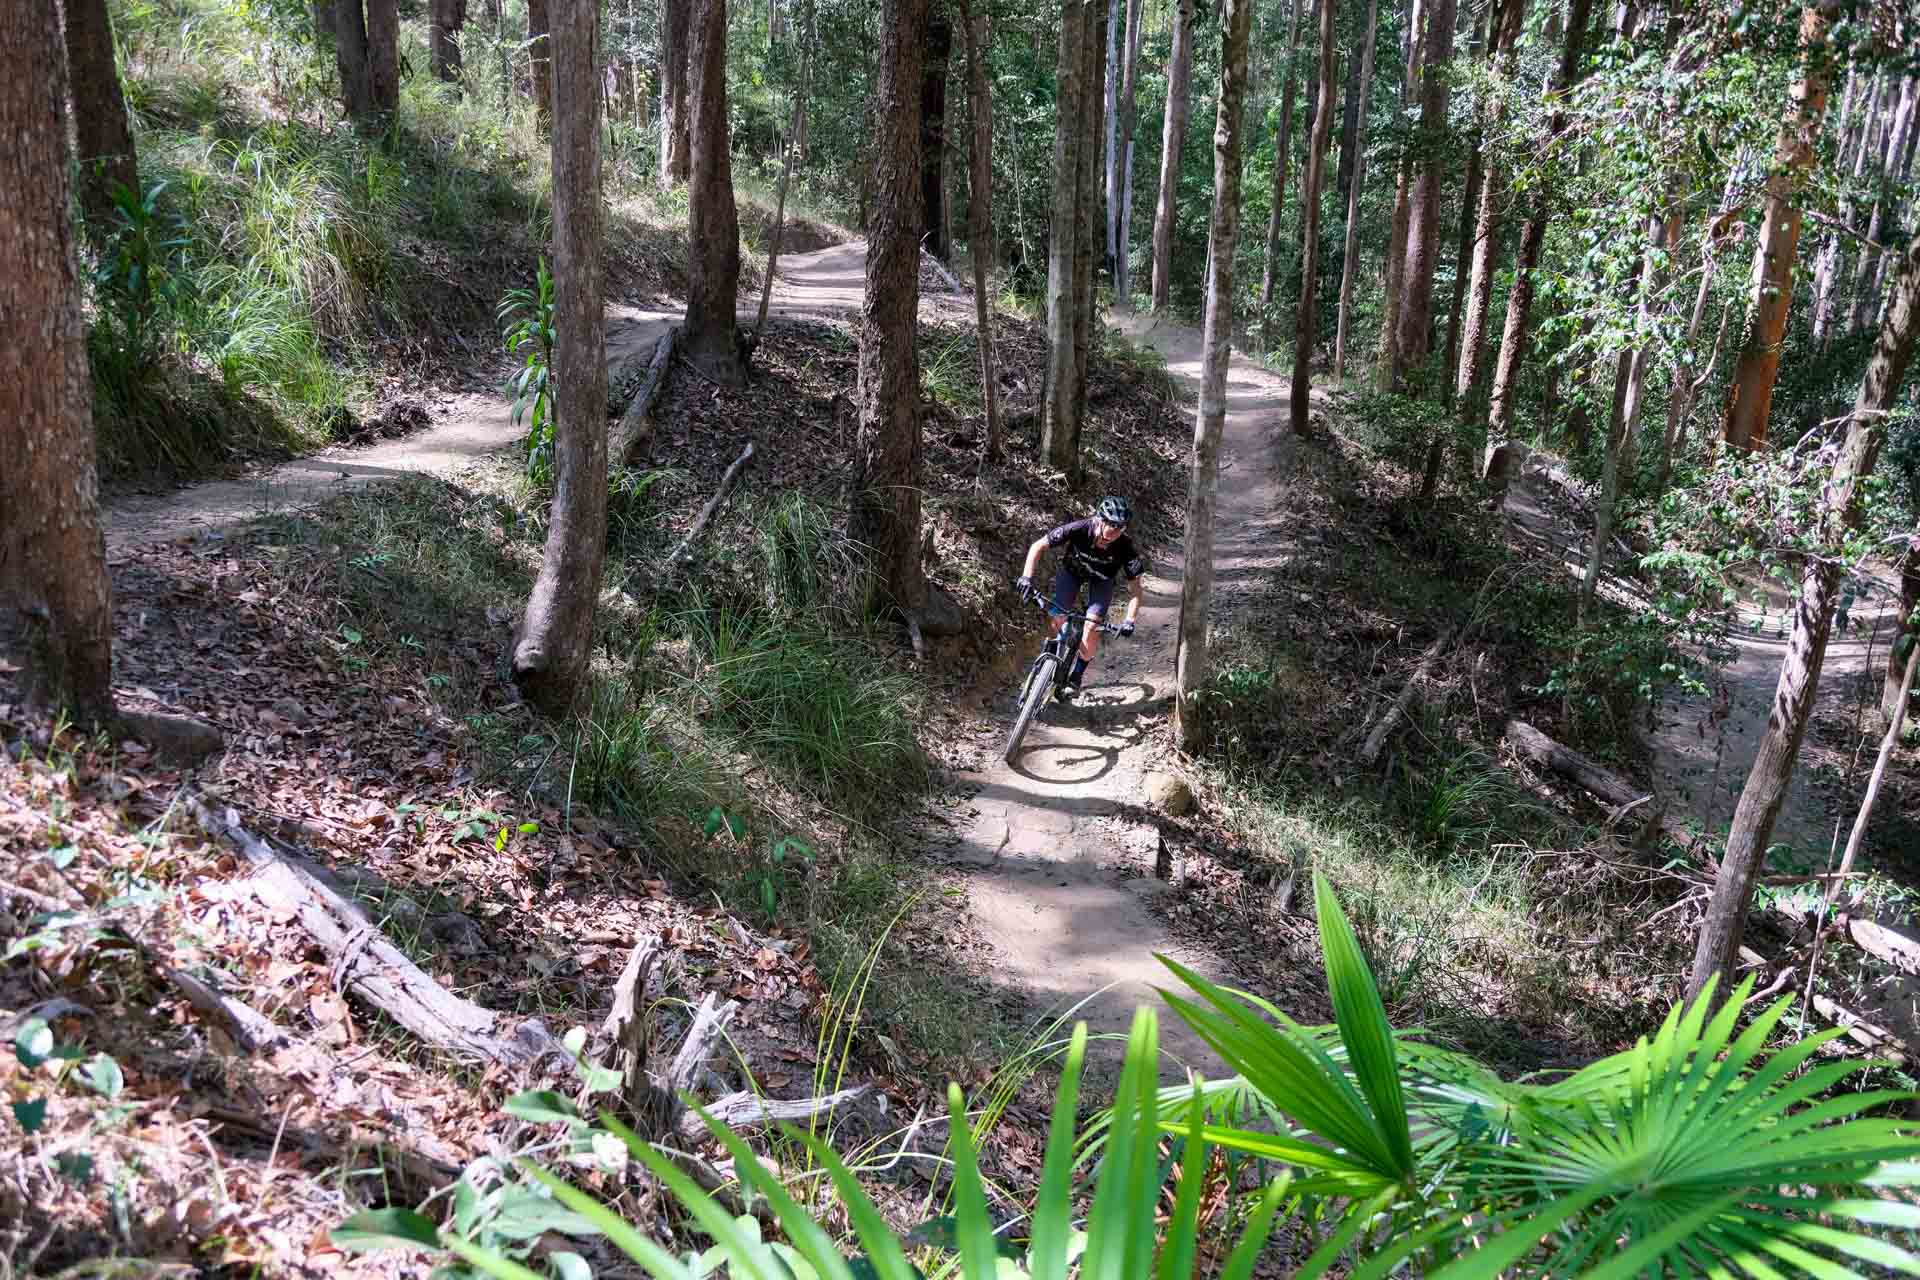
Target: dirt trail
1060, 846
826, 284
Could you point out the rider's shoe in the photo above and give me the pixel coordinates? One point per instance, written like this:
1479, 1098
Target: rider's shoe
1069, 689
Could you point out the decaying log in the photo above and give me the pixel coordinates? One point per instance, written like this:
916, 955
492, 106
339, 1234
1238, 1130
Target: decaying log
626, 1027
1881, 1041
738, 1110
633, 434
1397, 712
700, 522
365, 961
1880, 942
247, 1027
1570, 764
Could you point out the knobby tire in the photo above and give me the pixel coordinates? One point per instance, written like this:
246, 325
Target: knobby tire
1039, 685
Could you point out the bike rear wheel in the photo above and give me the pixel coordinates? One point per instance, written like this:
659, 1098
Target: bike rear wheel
1039, 685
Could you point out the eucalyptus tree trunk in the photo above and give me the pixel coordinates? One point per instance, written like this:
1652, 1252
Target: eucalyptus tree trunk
973, 27
933, 129
713, 220
383, 56
1388, 360
1770, 300
1686, 380
1121, 203
553, 650
1196, 589
350, 55
1486, 235
675, 120
795, 128
1059, 410
540, 56
103, 135
1306, 322
1462, 264
885, 514
1350, 261
1086, 239
1282, 156
1116, 40
445, 18
1893, 702
1865, 295
1415, 341
1839, 514
1852, 151
1533, 237
1172, 137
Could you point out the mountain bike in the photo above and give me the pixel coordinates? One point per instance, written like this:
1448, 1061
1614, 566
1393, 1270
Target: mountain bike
1048, 675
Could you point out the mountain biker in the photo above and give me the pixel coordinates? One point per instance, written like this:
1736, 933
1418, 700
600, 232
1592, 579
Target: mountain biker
1093, 553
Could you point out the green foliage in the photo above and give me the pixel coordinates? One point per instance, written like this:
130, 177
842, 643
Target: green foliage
526, 318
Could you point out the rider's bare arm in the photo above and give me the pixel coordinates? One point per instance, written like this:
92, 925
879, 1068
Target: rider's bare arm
1134, 594
1033, 556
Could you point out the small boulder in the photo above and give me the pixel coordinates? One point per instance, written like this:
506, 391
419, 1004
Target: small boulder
1168, 793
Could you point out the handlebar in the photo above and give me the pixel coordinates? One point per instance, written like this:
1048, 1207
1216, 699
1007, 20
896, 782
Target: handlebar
1037, 598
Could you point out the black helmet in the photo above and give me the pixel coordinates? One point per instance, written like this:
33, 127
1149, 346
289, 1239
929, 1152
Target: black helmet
1114, 510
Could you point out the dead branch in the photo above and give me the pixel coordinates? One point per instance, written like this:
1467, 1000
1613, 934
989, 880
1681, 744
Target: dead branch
626, 1024
1397, 710
685, 549
635, 428
252, 1030
738, 1110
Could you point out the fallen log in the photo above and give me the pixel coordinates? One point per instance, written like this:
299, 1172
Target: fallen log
373, 968
682, 552
1621, 794
738, 1110
634, 432
1880, 942
1397, 711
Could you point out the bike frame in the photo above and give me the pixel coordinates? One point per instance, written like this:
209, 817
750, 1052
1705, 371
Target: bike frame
1058, 650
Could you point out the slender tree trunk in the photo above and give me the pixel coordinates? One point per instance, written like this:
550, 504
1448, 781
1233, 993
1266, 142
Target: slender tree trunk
1086, 320
1865, 295
1893, 703
102, 132
350, 55
1396, 264
1350, 262
53, 561
980, 212
383, 55
1306, 322
1486, 234
1116, 40
1779, 746
1350, 125
1216, 344
1686, 383
1059, 424
780, 200
445, 18
933, 129
885, 514
1172, 137
713, 223
1883, 269
1462, 265
676, 162
1282, 156
1750, 398
1122, 207
1853, 142
1414, 341
554, 650
1533, 237
540, 56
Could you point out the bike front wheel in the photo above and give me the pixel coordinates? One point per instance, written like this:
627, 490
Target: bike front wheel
1039, 685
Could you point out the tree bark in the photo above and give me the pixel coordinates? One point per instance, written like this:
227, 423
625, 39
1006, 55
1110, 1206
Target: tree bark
383, 56
1533, 237
445, 19
1086, 239
885, 514
350, 55
1463, 263
1893, 703
1779, 746
1350, 126
980, 212
1216, 344
1486, 234
1750, 397
102, 133
675, 120
53, 556
1306, 322
713, 223
1350, 261
554, 649
1059, 421
1122, 210
933, 129
1900, 129
794, 129
1396, 262
1282, 156
1172, 137
540, 60
1686, 384
1853, 142
1116, 40
1414, 341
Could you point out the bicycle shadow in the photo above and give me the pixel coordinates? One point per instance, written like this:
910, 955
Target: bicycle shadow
1114, 723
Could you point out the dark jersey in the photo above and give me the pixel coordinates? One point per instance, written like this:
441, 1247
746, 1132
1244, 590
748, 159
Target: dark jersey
1089, 561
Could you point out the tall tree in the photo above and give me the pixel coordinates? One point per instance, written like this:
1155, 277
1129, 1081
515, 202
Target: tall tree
933, 128
1350, 260
1216, 344
675, 119
1907, 636
1059, 410
383, 55
1855, 126
445, 18
980, 211
1415, 342
1533, 237
1898, 132
102, 133
1116, 40
540, 58
796, 129
1306, 322
1086, 243
1486, 235
1478, 148
349, 28
885, 513
713, 222
1418, 18
551, 655
1282, 155
1820, 581
1750, 395
1120, 202
1173, 135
